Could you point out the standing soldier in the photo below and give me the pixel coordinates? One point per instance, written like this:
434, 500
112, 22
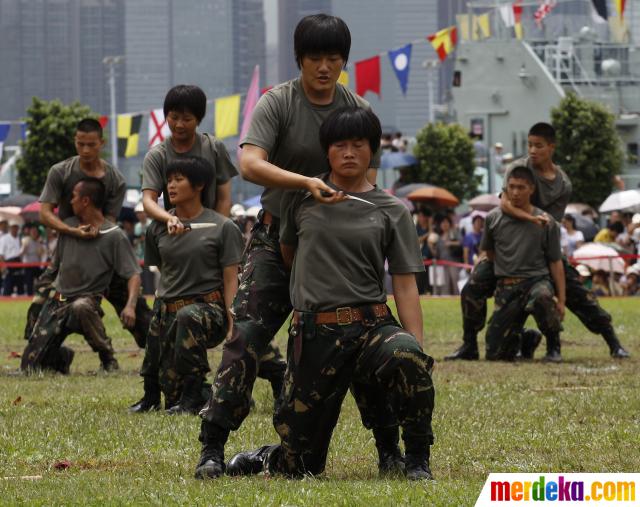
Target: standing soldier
342, 330
523, 255
199, 279
281, 151
84, 268
57, 192
184, 108
553, 190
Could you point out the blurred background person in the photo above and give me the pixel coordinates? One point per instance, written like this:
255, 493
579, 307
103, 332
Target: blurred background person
424, 226
139, 233
448, 248
572, 238
471, 241
33, 251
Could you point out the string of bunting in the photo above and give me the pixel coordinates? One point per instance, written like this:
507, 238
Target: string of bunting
367, 74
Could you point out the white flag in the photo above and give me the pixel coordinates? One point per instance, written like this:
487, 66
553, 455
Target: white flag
158, 127
506, 11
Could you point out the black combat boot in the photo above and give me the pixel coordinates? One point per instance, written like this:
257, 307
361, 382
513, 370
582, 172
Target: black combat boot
531, 338
390, 459
249, 462
417, 461
108, 363
468, 351
213, 438
64, 360
553, 349
151, 399
616, 350
191, 401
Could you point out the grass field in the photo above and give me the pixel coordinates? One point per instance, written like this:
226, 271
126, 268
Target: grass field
582, 415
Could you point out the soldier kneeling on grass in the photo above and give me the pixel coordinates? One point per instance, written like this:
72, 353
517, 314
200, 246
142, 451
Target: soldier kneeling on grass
85, 268
527, 261
342, 332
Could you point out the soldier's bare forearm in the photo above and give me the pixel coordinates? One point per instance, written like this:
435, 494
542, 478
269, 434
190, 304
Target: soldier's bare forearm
133, 289
557, 275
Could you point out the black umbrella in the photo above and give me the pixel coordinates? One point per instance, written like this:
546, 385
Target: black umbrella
20, 200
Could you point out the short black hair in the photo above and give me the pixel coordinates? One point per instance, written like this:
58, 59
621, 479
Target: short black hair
425, 211
88, 125
616, 227
544, 130
477, 217
351, 122
522, 172
571, 218
94, 189
321, 33
186, 98
196, 169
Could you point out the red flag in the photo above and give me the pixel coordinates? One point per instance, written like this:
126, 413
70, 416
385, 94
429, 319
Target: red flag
368, 76
265, 89
543, 10
103, 120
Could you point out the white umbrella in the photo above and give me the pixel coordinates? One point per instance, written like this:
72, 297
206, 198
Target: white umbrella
599, 256
628, 200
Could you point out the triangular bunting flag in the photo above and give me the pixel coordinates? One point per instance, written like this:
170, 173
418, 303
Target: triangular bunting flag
23, 130
128, 134
343, 79
620, 5
368, 76
543, 10
158, 127
253, 94
227, 113
601, 13
4, 133
400, 61
482, 27
103, 120
517, 16
444, 41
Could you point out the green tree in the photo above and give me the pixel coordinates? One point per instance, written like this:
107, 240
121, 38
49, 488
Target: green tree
51, 126
445, 154
588, 147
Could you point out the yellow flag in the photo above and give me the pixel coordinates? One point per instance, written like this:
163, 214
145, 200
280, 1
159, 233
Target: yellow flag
128, 134
344, 78
519, 31
482, 26
463, 26
227, 115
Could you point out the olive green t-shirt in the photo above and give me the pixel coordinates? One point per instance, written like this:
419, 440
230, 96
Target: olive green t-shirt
86, 266
551, 196
522, 249
191, 264
63, 176
342, 249
206, 146
286, 125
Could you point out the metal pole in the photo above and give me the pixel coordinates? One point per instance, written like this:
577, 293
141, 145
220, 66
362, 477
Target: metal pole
113, 125
111, 62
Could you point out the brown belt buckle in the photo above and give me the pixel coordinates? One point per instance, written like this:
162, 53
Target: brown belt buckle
61, 298
344, 311
178, 304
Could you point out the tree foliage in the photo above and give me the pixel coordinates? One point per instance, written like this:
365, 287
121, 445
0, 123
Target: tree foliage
51, 126
588, 147
445, 154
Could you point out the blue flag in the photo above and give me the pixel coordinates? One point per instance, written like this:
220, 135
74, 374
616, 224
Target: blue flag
23, 130
4, 133
400, 61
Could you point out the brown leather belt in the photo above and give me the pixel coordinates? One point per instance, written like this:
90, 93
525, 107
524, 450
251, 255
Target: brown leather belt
346, 315
174, 306
511, 281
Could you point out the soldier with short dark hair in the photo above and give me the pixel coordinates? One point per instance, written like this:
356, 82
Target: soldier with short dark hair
342, 332
85, 268
199, 279
57, 192
553, 191
281, 152
527, 261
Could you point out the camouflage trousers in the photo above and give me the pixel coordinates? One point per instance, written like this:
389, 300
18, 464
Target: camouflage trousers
180, 340
513, 304
58, 319
322, 362
482, 285
260, 308
117, 295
